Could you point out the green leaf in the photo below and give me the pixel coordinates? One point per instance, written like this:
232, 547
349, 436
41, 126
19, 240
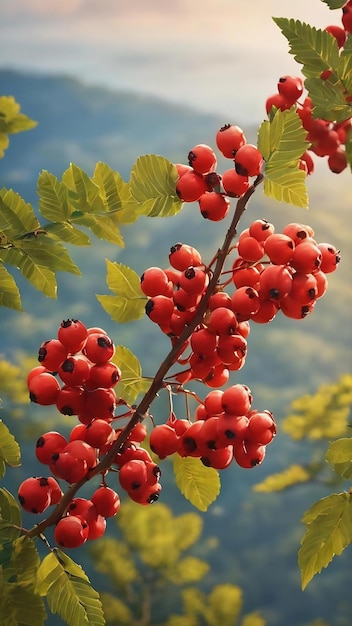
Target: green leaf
9, 292
329, 101
153, 186
39, 276
315, 49
225, 603
188, 569
9, 448
131, 383
16, 216
84, 193
25, 559
128, 303
64, 231
292, 475
53, 198
197, 483
45, 251
68, 591
329, 532
102, 226
339, 454
335, 4
253, 619
283, 143
10, 517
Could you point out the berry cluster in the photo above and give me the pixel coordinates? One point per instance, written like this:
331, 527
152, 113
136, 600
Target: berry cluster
271, 272
327, 139
225, 429
81, 358
199, 181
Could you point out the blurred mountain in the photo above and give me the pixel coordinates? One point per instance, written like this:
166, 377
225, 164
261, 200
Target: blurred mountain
259, 535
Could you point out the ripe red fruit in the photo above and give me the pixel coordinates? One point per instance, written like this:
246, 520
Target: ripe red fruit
43, 389
99, 348
154, 282
294, 309
74, 370
248, 160
48, 444
248, 454
279, 101
222, 321
249, 248
98, 432
261, 229
245, 301
159, 309
219, 459
51, 354
68, 467
337, 161
298, 232
71, 531
202, 158
103, 375
229, 139
237, 399
70, 400
194, 280
261, 428
182, 256
56, 492
337, 32
330, 257
133, 474
100, 403
214, 206
306, 257
234, 183
275, 282
279, 248
291, 87
163, 440
106, 501
34, 494
72, 334
191, 186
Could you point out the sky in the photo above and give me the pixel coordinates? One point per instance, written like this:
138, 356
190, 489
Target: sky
220, 56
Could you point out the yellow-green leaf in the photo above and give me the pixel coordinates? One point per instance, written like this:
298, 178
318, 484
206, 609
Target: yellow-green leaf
4, 143
9, 292
10, 517
83, 192
339, 454
329, 532
53, 197
188, 569
199, 484
16, 216
292, 475
11, 119
64, 231
68, 594
129, 301
253, 619
153, 186
9, 448
329, 100
132, 382
41, 277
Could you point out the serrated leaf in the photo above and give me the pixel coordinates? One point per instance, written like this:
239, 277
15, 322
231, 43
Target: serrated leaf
198, 484
9, 292
84, 193
53, 198
10, 517
102, 226
116, 194
313, 48
153, 186
16, 216
292, 475
45, 251
128, 303
25, 559
264, 142
9, 448
335, 4
69, 595
132, 382
64, 231
339, 454
283, 143
39, 276
329, 100
329, 532
346, 65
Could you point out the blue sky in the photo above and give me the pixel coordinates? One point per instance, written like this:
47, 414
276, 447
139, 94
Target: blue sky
220, 56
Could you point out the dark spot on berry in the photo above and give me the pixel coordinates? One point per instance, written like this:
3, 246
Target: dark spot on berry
157, 471
33, 397
149, 307
42, 352
311, 293
191, 157
225, 127
255, 462
229, 434
205, 461
240, 169
190, 444
43, 482
304, 311
190, 273
135, 485
153, 498
68, 366
250, 293
67, 410
55, 456
104, 342
301, 234
274, 294
21, 499
40, 442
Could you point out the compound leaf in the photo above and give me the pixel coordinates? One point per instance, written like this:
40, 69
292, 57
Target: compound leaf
153, 186
39, 276
64, 231
68, 591
128, 303
283, 142
132, 382
329, 100
198, 484
329, 532
335, 4
17, 217
315, 49
339, 454
53, 198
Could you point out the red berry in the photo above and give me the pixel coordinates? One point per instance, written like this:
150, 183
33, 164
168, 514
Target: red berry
48, 444
74, 370
229, 139
234, 183
202, 159
72, 333
248, 160
237, 399
191, 186
34, 494
291, 87
43, 389
106, 501
182, 256
214, 206
154, 282
337, 32
51, 354
71, 532
99, 348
